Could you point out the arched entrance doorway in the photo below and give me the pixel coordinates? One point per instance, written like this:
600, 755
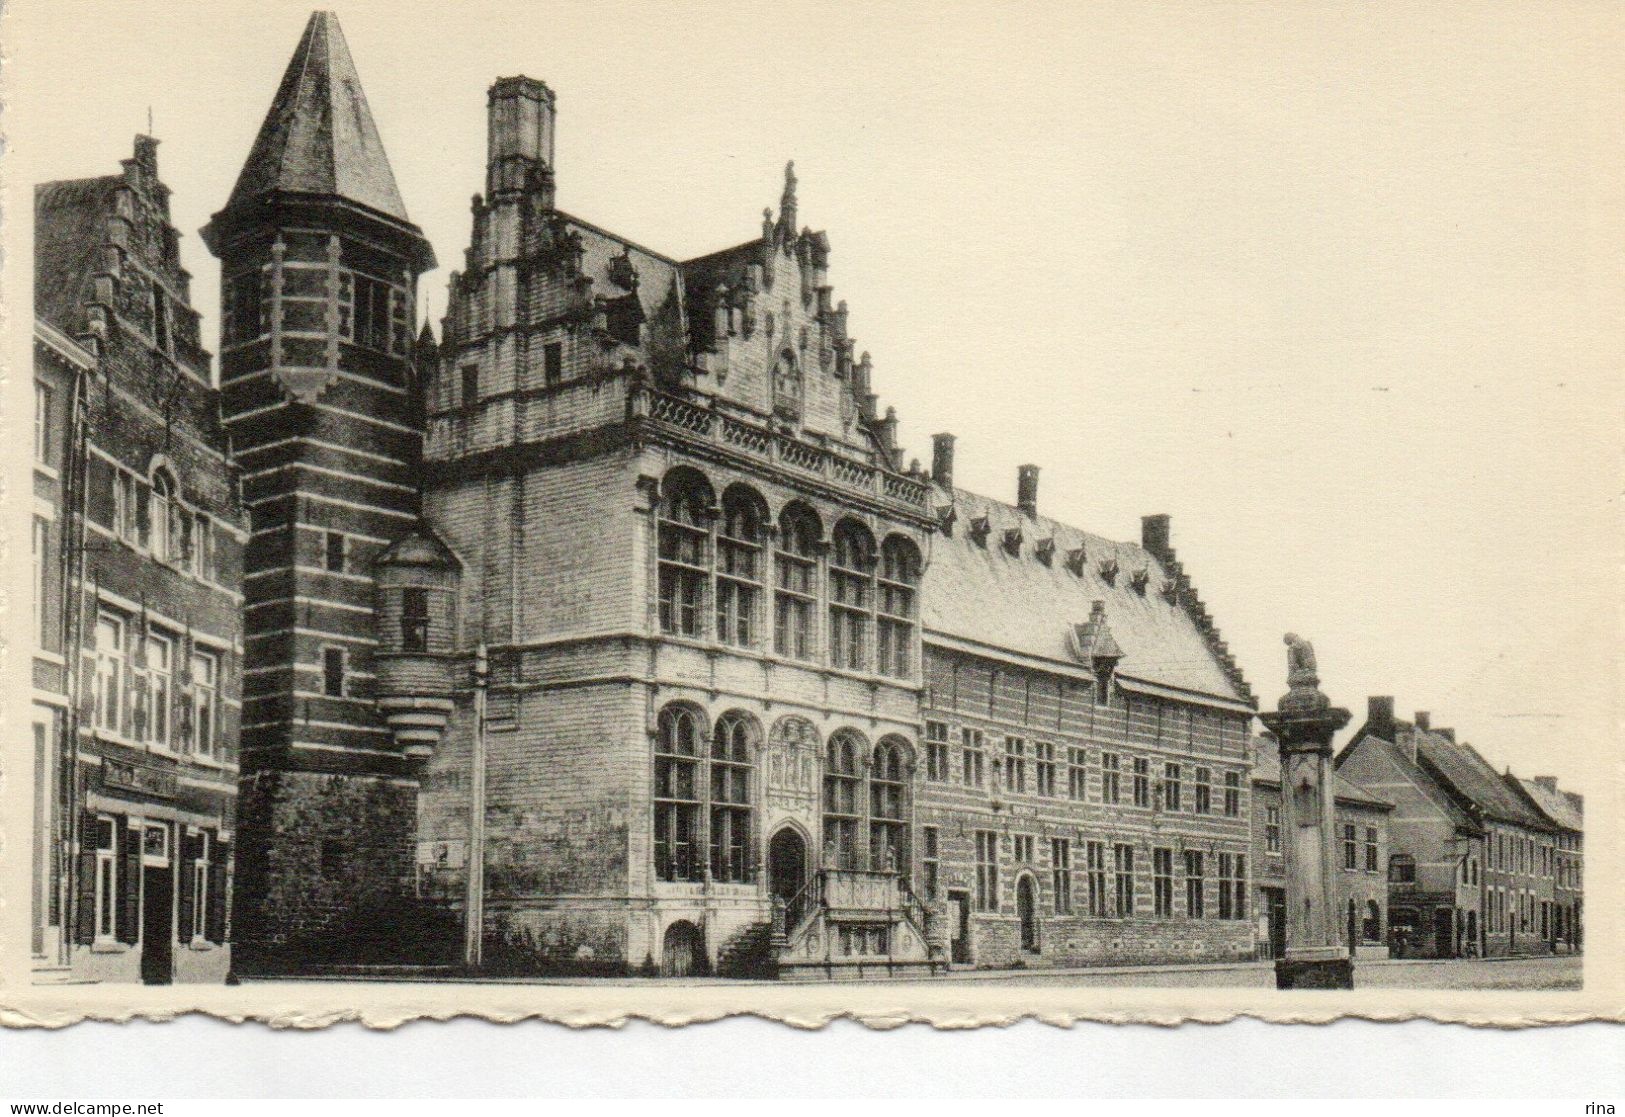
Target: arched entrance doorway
1027, 912
682, 954
786, 863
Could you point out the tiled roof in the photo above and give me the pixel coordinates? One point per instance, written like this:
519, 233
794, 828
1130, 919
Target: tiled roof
1474, 780
1267, 769
70, 227
984, 594
1555, 805
319, 136
657, 275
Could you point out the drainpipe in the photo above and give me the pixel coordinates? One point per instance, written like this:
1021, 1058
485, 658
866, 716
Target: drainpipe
474, 908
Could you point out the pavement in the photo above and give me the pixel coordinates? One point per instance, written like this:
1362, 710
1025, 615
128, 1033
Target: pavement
1562, 972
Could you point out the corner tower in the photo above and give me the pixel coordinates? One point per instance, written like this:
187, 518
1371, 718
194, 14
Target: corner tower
319, 269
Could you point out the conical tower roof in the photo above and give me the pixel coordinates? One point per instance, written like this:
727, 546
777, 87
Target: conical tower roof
319, 137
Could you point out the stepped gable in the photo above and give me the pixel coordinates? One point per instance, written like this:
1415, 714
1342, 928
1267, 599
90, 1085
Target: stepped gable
1267, 769
982, 593
70, 228
319, 137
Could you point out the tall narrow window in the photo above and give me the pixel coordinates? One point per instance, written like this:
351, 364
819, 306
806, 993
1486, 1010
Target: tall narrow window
333, 672
158, 515
1095, 875
1232, 794
470, 385
1170, 787
887, 781
851, 596
1142, 782
200, 889
1015, 765
1077, 773
677, 794
842, 784
930, 861
936, 751
243, 314
1111, 777
987, 870
1238, 887
414, 619
1226, 870
1123, 878
333, 548
739, 567
160, 318
205, 703
732, 744
1370, 849
684, 518
1272, 829
974, 756
796, 583
202, 546
1060, 859
42, 564
370, 319
553, 363
1202, 791
1195, 884
1162, 883
153, 690
1350, 848
899, 582
42, 422
110, 672
1044, 767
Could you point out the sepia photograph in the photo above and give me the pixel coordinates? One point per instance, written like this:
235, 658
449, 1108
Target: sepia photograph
946, 514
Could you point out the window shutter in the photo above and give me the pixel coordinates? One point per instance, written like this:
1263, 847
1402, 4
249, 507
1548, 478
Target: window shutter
219, 882
99, 498
183, 882
129, 881
85, 924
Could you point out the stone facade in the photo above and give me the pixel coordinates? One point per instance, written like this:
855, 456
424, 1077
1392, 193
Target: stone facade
149, 547
319, 267
1360, 830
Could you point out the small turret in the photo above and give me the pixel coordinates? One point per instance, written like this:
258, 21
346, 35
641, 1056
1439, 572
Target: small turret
417, 579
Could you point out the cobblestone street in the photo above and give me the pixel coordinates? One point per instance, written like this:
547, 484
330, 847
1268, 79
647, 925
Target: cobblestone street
1530, 973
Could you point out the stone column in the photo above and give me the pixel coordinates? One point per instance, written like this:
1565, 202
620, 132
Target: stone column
1303, 724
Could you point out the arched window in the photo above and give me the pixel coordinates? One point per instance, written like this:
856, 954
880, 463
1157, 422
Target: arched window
887, 781
685, 562
677, 794
795, 591
733, 744
851, 596
899, 586
161, 516
739, 567
843, 802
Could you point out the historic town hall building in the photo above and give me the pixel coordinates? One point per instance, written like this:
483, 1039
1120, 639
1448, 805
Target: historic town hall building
630, 566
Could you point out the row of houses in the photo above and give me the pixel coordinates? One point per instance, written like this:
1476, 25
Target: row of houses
611, 631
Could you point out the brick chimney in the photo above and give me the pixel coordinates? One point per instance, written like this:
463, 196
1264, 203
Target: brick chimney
1423, 720
942, 460
1027, 489
1155, 534
1379, 715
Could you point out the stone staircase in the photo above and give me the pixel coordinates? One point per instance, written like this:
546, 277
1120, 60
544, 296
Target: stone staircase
848, 924
748, 953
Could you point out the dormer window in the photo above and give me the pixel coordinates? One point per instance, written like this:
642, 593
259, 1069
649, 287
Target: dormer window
1108, 572
979, 530
1012, 541
1075, 559
1045, 551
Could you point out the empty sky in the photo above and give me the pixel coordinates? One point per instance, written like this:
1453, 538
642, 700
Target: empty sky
1338, 286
